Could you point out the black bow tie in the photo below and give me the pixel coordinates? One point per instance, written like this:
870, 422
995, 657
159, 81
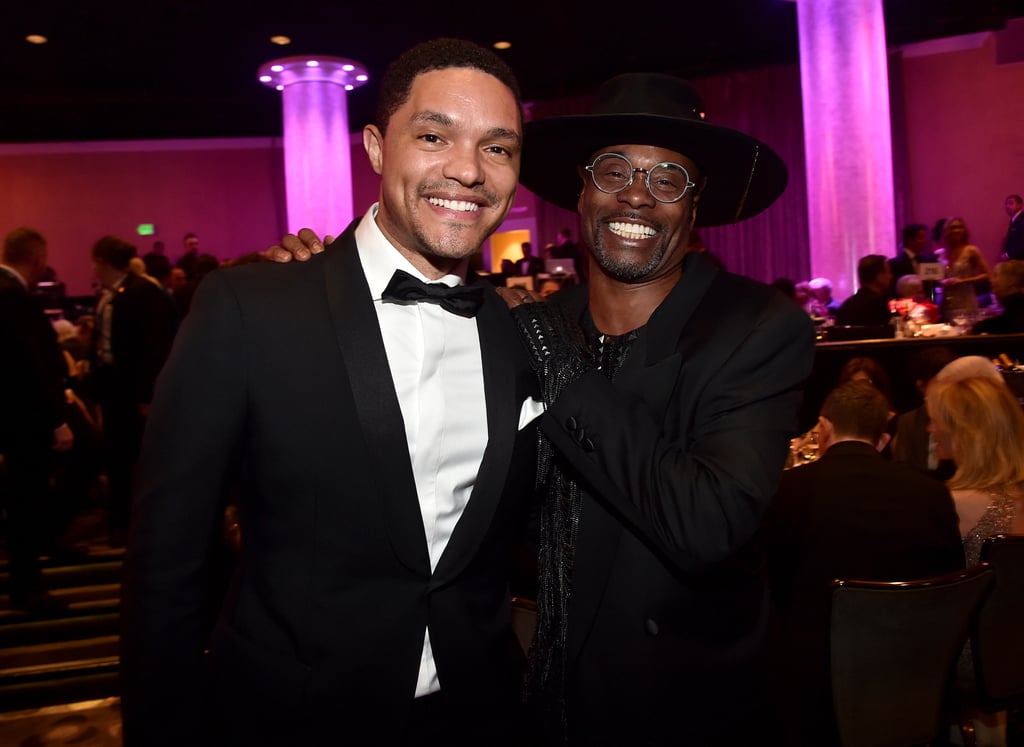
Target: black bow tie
464, 300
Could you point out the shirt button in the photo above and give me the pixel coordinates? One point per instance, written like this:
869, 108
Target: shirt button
570, 423
652, 627
587, 445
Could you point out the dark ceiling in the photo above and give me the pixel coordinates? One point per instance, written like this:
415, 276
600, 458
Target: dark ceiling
187, 68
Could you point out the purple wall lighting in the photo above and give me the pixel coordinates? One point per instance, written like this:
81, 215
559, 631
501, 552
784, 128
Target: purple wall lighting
317, 139
847, 137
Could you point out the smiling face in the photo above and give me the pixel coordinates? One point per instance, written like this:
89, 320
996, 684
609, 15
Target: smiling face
633, 237
449, 166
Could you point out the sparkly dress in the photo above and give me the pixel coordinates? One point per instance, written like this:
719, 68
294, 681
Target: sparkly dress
962, 297
997, 519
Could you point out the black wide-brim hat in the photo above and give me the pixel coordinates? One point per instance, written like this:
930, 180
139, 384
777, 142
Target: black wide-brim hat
743, 175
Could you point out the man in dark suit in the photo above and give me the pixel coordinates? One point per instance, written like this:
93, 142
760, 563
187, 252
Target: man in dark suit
913, 252
869, 306
371, 420
851, 514
134, 330
32, 423
1013, 244
668, 420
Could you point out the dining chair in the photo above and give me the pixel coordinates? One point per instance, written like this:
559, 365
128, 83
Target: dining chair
893, 646
997, 642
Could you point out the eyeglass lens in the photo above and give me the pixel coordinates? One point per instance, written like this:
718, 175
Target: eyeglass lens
667, 181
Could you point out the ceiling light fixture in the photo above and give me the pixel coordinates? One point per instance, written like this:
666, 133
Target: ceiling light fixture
280, 40
36, 39
503, 45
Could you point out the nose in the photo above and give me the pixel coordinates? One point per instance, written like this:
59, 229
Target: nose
464, 165
637, 193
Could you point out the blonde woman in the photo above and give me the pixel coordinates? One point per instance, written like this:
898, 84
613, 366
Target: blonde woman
966, 270
979, 424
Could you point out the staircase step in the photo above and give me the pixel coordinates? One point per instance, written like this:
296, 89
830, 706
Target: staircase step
16, 661
84, 625
66, 682
93, 572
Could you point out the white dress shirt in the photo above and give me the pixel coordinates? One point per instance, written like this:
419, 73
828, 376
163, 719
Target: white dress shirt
437, 370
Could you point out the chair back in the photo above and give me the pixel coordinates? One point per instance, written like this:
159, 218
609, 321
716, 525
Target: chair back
998, 636
892, 648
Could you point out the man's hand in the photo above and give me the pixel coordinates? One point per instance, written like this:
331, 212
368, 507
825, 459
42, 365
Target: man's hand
516, 296
63, 438
300, 247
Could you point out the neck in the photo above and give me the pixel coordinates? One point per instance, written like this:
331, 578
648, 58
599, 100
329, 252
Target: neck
617, 307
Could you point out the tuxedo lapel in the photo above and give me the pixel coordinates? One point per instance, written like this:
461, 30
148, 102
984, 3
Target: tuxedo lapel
497, 341
380, 417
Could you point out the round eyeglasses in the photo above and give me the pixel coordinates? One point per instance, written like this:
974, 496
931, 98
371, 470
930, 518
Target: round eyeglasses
667, 182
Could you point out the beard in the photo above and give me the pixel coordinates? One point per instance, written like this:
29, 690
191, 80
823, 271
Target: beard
626, 264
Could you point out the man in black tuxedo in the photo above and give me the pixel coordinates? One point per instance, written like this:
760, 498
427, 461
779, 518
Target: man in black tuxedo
134, 329
1013, 244
32, 423
913, 252
850, 514
672, 390
368, 404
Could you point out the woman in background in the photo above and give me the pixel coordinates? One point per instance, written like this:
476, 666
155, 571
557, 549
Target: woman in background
978, 423
967, 275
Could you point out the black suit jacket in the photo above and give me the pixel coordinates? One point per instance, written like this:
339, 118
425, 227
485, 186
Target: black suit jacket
142, 330
32, 372
279, 379
677, 458
1013, 244
852, 514
902, 265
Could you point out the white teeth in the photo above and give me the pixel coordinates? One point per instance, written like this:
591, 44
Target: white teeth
460, 205
631, 230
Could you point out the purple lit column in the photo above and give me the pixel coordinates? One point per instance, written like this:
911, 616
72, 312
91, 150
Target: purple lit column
317, 140
845, 88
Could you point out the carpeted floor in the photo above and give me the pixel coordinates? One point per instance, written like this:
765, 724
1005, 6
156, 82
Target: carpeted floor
95, 723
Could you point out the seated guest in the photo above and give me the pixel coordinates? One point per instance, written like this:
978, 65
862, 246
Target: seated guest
911, 296
978, 424
870, 304
913, 442
1008, 286
822, 302
866, 368
850, 514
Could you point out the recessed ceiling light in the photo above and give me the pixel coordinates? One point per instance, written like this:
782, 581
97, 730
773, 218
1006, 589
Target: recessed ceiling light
280, 40
502, 45
36, 39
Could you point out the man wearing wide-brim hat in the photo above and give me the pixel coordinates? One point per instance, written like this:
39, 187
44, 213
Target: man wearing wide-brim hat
672, 390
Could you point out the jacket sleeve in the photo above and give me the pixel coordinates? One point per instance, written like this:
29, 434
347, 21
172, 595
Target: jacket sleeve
695, 488
190, 441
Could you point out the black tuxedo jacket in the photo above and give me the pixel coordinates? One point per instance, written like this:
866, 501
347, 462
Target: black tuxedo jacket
851, 514
142, 330
678, 458
902, 265
1013, 244
279, 379
32, 372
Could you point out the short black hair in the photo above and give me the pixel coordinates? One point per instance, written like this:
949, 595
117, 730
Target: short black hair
437, 54
114, 251
910, 232
870, 267
23, 245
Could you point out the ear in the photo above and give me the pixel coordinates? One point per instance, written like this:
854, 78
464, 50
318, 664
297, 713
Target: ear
373, 144
826, 434
882, 442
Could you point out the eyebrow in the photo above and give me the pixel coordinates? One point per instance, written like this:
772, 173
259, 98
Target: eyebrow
444, 120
